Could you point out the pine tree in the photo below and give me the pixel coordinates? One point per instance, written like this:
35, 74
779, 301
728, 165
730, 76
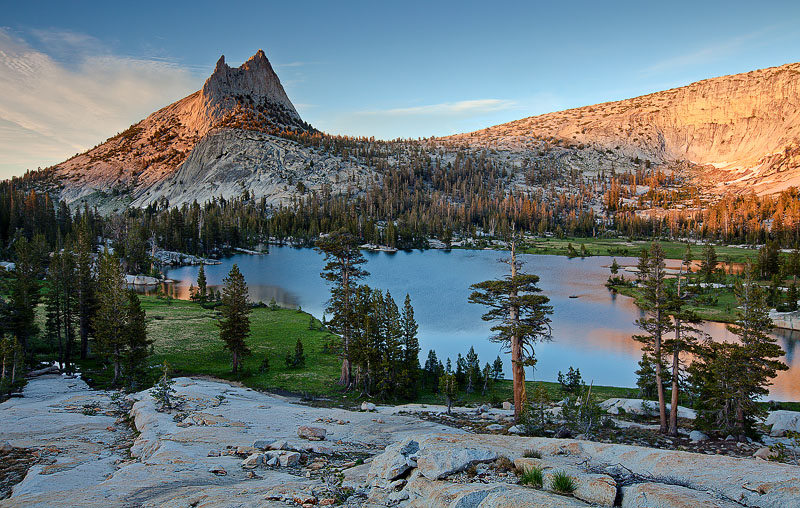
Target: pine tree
708, 263
137, 345
522, 316
234, 327
86, 283
410, 348
657, 324
486, 375
473, 369
431, 370
685, 338
461, 369
202, 285
110, 318
497, 368
342, 257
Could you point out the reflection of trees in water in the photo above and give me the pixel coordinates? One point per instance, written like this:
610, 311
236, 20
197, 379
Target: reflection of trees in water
788, 340
258, 293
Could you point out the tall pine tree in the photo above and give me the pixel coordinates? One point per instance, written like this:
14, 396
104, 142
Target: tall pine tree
234, 327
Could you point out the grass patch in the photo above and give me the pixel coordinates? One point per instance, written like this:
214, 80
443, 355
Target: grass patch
562, 483
533, 477
532, 454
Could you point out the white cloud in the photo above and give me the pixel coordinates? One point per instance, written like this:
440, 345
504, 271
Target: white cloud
51, 109
450, 109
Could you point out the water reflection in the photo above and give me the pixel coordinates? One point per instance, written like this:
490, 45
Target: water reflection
592, 332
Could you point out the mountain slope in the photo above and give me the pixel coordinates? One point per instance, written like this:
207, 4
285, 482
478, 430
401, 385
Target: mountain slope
740, 131
150, 151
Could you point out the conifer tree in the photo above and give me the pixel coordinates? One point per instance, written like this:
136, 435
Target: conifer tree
657, 324
497, 368
234, 327
410, 348
486, 374
431, 370
461, 369
202, 285
85, 286
137, 345
112, 312
522, 315
708, 263
342, 271
473, 369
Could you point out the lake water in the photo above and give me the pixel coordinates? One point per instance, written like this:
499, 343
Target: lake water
592, 332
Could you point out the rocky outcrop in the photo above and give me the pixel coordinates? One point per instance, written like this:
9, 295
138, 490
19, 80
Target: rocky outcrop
739, 132
602, 475
782, 421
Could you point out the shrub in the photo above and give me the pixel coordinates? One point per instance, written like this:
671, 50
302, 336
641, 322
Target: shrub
532, 476
532, 454
563, 483
503, 464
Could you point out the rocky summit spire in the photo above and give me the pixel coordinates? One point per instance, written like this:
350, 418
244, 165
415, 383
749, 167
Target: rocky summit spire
254, 80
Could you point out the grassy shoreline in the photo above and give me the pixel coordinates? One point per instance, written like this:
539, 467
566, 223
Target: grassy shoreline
186, 337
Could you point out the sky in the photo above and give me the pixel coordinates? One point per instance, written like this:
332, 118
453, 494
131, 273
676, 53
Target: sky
73, 74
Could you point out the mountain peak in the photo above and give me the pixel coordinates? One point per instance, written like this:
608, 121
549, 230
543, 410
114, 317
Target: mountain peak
254, 80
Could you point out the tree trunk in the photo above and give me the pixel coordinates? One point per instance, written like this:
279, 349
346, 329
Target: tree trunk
517, 365
235, 362
673, 412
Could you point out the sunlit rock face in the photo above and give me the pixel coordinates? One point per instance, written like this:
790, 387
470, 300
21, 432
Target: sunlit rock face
740, 132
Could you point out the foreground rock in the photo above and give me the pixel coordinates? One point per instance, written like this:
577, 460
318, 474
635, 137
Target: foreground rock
199, 454
602, 474
229, 446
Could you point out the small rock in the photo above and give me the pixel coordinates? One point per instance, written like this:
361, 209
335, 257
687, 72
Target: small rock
328, 501
398, 496
494, 427
311, 433
272, 461
245, 450
764, 453
367, 406
218, 470
508, 406
213, 453
483, 409
730, 438
516, 429
5, 446
697, 436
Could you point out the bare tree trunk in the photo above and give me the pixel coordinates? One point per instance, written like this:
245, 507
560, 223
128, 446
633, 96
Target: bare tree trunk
235, 362
662, 405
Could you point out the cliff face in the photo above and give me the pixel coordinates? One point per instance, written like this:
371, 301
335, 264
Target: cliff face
150, 151
740, 132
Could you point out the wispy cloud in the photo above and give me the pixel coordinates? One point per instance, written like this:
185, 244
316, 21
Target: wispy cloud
460, 108
705, 55
51, 108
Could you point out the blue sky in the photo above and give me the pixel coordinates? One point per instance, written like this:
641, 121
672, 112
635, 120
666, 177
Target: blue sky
75, 73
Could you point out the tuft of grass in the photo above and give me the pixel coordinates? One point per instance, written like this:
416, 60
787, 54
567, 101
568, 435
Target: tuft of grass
563, 483
532, 476
503, 464
530, 453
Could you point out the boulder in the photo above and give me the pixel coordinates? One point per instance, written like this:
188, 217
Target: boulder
765, 453
697, 436
253, 461
782, 421
394, 461
367, 406
658, 495
495, 427
508, 406
599, 489
438, 460
278, 445
641, 407
272, 462
312, 433
516, 429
